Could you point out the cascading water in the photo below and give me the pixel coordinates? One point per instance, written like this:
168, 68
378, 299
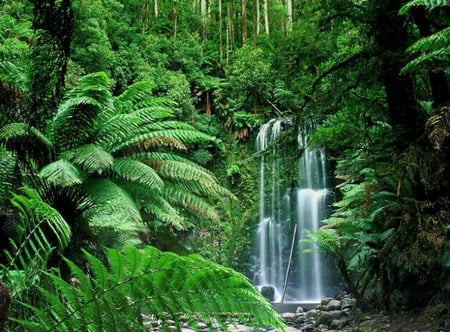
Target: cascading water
286, 213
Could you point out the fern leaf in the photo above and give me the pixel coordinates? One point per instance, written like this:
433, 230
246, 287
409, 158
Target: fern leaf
38, 221
90, 158
62, 173
13, 75
193, 178
150, 281
133, 94
161, 210
197, 206
171, 135
138, 172
428, 4
112, 202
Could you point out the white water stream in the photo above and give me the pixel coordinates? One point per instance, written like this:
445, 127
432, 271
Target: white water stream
281, 207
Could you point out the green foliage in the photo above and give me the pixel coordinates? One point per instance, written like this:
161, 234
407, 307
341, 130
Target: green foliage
146, 283
39, 223
433, 48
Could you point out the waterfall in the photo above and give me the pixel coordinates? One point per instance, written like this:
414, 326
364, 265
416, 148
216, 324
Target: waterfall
281, 207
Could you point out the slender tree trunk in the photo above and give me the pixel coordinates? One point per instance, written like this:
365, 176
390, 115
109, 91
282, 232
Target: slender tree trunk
229, 32
175, 21
266, 17
289, 16
155, 9
204, 17
220, 32
258, 18
244, 21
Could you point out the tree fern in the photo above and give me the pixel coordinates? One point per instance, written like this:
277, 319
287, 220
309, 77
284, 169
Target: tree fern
148, 283
435, 47
429, 4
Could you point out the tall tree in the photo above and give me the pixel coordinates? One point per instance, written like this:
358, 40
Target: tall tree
244, 20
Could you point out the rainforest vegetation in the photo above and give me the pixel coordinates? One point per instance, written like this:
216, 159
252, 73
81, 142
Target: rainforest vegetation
127, 173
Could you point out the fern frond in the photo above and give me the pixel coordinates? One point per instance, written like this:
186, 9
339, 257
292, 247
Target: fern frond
91, 158
132, 95
197, 205
112, 202
62, 173
136, 171
193, 177
435, 47
13, 75
39, 224
7, 169
161, 211
149, 281
428, 4
18, 134
185, 137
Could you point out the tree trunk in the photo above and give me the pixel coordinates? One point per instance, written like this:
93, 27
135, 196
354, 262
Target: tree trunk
204, 17
229, 32
155, 9
289, 17
220, 32
266, 16
244, 21
391, 36
258, 18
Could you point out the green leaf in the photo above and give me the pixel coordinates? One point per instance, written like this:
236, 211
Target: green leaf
62, 173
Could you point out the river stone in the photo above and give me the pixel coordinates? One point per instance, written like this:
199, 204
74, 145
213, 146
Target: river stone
325, 301
334, 305
289, 316
348, 303
299, 310
313, 314
268, 292
337, 313
239, 328
325, 318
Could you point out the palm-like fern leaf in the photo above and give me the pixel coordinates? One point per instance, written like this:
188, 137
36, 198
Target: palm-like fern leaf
91, 158
195, 204
14, 76
132, 95
63, 173
178, 138
429, 4
112, 202
136, 171
435, 47
39, 223
161, 211
192, 177
164, 285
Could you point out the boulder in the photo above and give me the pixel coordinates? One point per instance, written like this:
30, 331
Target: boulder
268, 292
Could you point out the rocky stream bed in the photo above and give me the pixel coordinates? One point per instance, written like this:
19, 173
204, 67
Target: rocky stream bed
331, 315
